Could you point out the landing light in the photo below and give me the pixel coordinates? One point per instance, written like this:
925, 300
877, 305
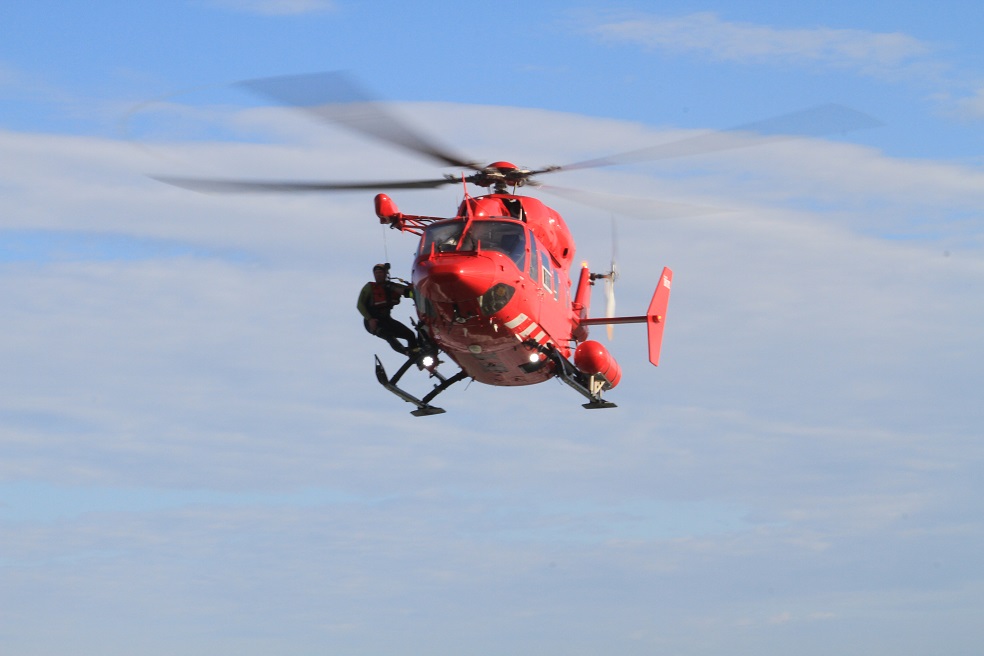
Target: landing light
534, 357
427, 361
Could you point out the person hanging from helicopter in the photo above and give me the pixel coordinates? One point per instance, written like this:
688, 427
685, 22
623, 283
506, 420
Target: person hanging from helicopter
376, 301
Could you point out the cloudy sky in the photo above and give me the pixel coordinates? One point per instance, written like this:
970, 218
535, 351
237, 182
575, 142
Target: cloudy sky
195, 456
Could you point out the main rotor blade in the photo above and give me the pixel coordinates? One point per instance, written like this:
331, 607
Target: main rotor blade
337, 98
823, 120
276, 186
642, 208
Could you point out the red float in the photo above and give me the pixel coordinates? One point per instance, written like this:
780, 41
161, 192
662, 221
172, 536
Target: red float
593, 358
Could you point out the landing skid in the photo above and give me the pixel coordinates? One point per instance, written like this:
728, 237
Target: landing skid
424, 408
590, 387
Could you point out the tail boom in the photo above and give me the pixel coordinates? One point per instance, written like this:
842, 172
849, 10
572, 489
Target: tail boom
654, 318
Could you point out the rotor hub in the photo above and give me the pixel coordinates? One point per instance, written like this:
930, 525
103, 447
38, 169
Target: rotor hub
500, 175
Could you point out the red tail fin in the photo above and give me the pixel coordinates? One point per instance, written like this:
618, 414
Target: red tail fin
582, 301
656, 315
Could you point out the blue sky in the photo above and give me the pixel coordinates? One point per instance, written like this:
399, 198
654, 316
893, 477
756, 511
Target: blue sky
195, 456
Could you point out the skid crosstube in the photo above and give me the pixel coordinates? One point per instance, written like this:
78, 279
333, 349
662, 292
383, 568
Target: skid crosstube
588, 386
424, 408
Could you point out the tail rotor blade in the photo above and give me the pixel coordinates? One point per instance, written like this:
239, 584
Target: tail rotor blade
609, 305
610, 282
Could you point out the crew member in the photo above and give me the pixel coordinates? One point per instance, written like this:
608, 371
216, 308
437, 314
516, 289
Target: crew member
376, 300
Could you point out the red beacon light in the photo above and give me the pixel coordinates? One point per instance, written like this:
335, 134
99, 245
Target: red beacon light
386, 210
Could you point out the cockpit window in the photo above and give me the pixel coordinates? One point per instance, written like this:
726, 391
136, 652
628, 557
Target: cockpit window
506, 237
443, 236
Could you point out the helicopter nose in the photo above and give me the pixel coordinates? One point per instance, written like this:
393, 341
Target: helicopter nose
456, 278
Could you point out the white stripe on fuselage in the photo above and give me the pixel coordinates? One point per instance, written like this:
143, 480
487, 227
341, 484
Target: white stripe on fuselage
520, 318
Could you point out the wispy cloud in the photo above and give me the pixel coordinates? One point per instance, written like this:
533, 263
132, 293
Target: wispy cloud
893, 56
186, 402
7, 75
277, 7
709, 34
970, 106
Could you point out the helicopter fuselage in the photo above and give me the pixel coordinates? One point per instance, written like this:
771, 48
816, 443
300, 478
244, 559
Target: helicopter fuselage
492, 288
493, 292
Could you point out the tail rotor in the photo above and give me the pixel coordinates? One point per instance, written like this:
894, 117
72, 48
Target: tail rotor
610, 279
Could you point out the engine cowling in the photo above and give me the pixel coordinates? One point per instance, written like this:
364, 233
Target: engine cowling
594, 359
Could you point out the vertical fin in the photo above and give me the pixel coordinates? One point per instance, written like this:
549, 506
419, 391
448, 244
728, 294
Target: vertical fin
656, 314
582, 303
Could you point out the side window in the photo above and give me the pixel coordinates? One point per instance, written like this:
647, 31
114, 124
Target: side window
534, 261
547, 273
556, 285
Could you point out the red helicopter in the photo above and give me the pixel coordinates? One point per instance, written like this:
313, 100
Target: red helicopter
493, 285
493, 293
